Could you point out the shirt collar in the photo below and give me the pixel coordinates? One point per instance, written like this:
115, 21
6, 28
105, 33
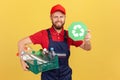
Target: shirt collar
54, 32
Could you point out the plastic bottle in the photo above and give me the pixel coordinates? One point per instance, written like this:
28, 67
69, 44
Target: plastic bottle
25, 53
25, 56
45, 53
39, 53
52, 52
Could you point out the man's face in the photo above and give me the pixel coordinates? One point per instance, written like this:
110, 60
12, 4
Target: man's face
58, 19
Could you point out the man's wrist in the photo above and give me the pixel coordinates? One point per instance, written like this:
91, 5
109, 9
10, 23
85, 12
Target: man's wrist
87, 39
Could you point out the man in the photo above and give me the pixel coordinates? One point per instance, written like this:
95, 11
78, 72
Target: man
55, 37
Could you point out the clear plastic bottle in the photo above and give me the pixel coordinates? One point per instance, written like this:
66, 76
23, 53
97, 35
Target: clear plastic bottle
25, 53
45, 54
45, 51
52, 52
25, 56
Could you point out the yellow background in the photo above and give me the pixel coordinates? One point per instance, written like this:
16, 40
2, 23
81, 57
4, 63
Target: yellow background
20, 18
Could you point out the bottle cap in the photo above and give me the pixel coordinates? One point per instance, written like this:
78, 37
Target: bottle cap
44, 49
33, 52
52, 49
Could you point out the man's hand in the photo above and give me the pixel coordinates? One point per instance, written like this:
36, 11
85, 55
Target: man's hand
24, 65
21, 45
86, 42
88, 36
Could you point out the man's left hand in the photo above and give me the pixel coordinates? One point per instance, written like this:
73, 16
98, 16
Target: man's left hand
88, 36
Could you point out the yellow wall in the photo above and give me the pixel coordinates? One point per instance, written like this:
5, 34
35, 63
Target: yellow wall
20, 18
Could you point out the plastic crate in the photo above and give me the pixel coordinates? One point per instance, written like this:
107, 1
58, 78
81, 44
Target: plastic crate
36, 68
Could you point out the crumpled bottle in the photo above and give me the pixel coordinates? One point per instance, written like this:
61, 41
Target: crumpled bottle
45, 54
25, 53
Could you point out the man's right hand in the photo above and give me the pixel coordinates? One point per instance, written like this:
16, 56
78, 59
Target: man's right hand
24, 65
21, 44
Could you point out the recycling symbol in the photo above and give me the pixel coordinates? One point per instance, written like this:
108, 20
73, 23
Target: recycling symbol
77, 31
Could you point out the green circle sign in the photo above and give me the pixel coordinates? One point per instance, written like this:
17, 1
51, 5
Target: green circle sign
77, 31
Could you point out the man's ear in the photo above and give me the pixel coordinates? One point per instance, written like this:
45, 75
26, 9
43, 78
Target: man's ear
65, 16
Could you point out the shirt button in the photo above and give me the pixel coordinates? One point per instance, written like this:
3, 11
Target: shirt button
58, 37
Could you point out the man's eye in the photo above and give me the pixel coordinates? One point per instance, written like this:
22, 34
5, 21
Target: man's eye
55, 17
61, 16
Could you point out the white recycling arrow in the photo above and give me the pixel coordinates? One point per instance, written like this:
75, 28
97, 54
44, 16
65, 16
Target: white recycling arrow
74, 31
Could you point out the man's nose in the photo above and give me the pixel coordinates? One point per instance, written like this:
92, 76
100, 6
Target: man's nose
59, 19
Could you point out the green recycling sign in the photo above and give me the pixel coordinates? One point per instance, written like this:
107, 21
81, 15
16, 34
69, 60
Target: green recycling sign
77, 31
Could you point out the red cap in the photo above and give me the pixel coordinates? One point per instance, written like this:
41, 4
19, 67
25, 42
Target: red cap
58, 7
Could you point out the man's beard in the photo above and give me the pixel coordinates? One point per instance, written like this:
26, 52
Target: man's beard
58, 27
